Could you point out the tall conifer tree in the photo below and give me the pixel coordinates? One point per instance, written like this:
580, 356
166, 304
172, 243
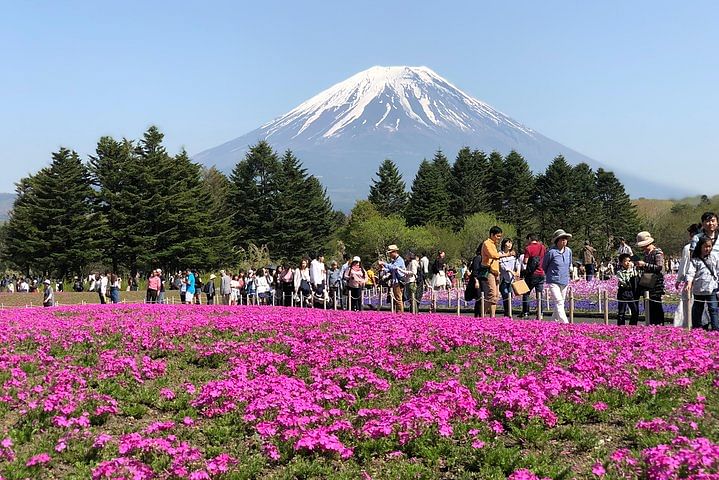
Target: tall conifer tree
388, 192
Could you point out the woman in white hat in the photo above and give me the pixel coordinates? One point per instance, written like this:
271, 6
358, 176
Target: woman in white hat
556, 265
652, 263
355, 278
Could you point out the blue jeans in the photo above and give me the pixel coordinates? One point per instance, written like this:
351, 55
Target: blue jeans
114, 295
536, 283
504, 289
698, 311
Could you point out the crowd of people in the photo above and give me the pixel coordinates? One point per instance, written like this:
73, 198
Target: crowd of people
492, 275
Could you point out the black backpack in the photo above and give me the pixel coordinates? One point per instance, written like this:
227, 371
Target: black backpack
532, 266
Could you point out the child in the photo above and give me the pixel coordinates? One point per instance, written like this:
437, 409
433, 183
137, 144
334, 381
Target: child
628, 278
701, 279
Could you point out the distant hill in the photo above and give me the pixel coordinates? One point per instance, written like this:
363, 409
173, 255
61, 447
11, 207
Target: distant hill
6, 200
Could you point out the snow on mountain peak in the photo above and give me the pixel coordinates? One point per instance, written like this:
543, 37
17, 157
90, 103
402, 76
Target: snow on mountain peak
389, 99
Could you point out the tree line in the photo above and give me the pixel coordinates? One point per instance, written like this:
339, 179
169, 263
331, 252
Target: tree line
592, 205
132, 206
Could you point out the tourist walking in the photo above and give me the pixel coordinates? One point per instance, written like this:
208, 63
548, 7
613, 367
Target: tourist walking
533, 273
652, 281
395, 267
48, 296
489, 271
509, 267
556, 264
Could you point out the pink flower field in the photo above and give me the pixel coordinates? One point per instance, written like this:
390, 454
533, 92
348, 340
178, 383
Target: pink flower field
169, 392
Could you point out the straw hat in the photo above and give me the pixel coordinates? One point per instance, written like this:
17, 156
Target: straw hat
560, 234
644, 239
212, 276
392, 248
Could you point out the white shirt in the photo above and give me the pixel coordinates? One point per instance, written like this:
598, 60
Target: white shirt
103, 284
424, 261
317, 272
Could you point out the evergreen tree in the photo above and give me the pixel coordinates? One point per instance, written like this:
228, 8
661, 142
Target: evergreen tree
253, 195
54, 207
111, 172
217, 188
23, 229
429, 199
493, 182
618, 214
518, 186
292, 237
468, 181
553, 201
388, 193
182, 223
586, 211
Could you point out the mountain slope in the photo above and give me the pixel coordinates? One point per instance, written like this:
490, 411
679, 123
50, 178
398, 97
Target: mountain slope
402, 113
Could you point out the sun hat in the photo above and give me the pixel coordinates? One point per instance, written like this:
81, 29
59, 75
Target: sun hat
644, 239
212, 276
356, 259
46, 282
560, 234
392, 248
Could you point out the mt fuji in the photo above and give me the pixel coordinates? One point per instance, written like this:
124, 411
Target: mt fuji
403, 113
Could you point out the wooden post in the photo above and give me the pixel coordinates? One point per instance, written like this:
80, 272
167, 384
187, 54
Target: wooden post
381, 297
510, 304
687, 311
646, 308
458, 303
481, 302
571, 305
606, 307
391, 300
539, 304
599, 300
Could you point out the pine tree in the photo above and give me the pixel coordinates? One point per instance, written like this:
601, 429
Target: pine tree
518, 186
217, 188
429, 199
54, 207
253, 195
553, 201
493, 182
23, 240
110, 172
618, 214
388, 193
292, 237
468, 181
181, 230
586, 211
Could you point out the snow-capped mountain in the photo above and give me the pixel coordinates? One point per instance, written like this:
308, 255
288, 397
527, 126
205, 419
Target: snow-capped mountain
403, 113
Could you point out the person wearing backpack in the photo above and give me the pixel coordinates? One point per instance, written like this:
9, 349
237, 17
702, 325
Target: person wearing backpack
533, 272
209, 289
588, 260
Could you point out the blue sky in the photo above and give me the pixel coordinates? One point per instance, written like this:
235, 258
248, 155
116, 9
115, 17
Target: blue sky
630, 84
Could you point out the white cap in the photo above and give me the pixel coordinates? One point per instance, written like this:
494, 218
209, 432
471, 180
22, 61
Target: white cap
356, 259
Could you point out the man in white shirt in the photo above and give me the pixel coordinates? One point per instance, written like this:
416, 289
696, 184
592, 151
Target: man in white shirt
424, 263
318, 273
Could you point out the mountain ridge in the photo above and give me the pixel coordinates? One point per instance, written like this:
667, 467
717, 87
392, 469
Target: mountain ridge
406, 114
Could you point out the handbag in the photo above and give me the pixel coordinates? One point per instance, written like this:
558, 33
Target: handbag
470, 291
483, 271
648, 281
520, 287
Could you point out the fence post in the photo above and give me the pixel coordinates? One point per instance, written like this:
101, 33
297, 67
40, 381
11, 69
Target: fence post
380, 297
458, 304
687, 311
510, 303
646, 308
571, 305
481, 302
606, 307
540, 294
599, 299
